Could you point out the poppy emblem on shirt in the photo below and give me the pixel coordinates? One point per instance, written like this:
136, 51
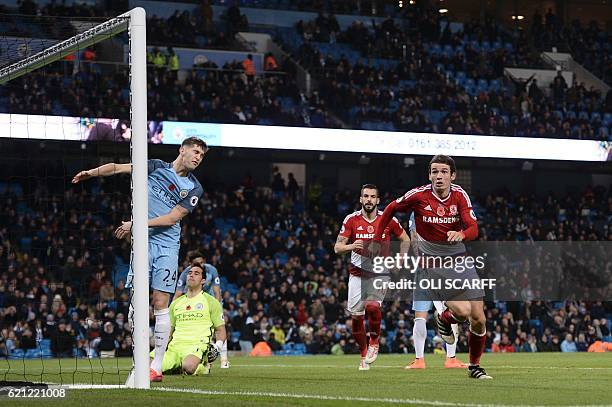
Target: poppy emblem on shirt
453, 210
440, 211
188, 308
370, 229
171, 187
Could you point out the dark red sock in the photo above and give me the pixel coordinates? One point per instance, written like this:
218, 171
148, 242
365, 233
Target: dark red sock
476, 347
448, 318
374, 318
359, 334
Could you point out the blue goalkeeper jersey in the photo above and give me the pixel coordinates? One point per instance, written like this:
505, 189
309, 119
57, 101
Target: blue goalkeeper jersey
166, 190
212, 279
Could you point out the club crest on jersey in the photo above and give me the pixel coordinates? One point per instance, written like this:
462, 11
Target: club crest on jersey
183, 193
453, 210
370, 229
441, 211
199, 306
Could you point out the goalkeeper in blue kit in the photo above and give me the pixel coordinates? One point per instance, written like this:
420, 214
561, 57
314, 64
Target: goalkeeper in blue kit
195, 317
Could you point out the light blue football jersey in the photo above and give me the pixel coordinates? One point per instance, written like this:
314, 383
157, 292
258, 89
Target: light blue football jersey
166, 190
411, 224
212, 279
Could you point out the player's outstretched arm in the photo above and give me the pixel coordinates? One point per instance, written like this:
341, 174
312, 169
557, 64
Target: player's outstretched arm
105, 170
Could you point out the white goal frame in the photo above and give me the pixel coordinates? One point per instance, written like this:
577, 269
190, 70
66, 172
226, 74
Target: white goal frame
134, 21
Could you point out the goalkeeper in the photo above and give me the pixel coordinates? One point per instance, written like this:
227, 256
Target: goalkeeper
194, 317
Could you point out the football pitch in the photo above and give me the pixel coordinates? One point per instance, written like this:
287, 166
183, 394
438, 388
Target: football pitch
519, 379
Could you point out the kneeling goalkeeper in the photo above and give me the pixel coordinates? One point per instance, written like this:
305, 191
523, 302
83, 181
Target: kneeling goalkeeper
194, 316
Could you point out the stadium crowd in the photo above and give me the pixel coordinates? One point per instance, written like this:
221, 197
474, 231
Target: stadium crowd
208, 93
419, 77
62, 274
413, 74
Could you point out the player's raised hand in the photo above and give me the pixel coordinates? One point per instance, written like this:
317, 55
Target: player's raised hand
124, 231
358, 245
454, 236
82, 176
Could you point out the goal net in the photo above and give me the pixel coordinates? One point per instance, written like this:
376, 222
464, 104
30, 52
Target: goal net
71, 90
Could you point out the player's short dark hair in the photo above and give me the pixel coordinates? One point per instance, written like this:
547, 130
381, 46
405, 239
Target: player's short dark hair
195, 141
443, 159
368, 186
199, 265
194, 255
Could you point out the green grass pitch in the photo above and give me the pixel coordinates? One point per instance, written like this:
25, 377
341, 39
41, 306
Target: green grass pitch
519, 379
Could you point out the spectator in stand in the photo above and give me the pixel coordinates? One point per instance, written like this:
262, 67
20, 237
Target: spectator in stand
581, 343
173, 63
270, 64
62, 341
568, 345
273, 343
249, 67
107, 346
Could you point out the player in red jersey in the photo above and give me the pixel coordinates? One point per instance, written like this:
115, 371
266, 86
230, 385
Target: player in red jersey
444, 218
357, 231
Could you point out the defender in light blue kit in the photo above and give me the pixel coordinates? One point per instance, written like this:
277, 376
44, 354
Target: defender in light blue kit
173, 192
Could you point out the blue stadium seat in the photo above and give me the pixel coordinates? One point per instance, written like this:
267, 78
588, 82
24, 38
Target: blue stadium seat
17, 354
33, 354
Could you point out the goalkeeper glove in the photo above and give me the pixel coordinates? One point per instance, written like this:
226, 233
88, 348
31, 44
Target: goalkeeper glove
214, 351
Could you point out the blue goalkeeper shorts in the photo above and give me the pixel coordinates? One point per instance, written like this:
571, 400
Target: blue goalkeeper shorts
163, 269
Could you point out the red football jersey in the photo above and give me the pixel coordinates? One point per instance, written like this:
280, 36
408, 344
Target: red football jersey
356, 227
434, 217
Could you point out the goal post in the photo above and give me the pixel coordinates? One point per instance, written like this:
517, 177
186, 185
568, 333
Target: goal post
134, 22
140, 231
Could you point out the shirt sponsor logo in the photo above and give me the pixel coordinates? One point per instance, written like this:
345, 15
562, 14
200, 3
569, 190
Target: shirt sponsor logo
189, 316
164, 195
364, 235
436, 219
